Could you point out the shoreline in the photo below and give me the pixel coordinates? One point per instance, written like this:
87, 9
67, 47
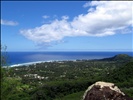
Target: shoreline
31, 63
51, 60
28, 63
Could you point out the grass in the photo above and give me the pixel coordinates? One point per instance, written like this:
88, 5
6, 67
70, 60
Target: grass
128, 91
74, 96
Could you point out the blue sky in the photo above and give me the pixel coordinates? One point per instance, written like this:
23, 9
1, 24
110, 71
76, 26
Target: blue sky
66, 26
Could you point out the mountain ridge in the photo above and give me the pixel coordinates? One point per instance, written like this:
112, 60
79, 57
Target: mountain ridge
119, 57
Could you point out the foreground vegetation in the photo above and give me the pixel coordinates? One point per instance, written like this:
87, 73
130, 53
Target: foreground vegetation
65, 80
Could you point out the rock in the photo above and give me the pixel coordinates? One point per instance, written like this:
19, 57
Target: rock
104, 91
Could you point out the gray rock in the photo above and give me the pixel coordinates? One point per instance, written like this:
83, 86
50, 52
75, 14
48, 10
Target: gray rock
104, 91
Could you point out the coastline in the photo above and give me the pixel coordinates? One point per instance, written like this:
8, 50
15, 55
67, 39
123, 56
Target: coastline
36, 62
29, 58
28, 63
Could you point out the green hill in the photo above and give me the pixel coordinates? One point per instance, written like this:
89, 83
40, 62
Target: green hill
66, 79
122, 74
119, 57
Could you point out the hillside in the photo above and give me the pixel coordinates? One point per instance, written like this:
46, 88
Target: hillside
51, 80
120, 58
124, 73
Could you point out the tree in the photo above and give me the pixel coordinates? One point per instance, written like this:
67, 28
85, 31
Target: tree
3, 55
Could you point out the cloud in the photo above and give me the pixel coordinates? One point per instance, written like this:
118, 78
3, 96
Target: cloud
86, 4
103, 18
10, 23
45, 16
65, 17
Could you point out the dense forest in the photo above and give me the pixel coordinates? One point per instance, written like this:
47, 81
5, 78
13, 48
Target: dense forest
65, 80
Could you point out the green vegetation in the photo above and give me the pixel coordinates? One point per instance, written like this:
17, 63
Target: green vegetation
65, 80
73, 96
125, 73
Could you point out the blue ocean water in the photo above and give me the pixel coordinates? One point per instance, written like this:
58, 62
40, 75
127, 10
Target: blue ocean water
25, 57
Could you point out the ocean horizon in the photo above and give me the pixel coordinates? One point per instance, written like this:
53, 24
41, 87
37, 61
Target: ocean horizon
23, 58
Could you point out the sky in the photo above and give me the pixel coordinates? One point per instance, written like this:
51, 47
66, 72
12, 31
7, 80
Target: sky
67, 25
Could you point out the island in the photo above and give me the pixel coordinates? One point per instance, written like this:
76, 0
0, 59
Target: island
65, 80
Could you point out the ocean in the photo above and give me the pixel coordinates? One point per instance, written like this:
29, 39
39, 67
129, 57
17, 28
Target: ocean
15, 58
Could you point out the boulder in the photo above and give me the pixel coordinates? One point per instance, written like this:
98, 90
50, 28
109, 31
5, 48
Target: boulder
104, 91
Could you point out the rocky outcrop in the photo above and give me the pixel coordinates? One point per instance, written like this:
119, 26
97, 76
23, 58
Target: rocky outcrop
104, 91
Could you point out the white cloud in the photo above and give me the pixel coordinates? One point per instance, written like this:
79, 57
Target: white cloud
65, 17
10, 23
86, 4
102, 19
45, 16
